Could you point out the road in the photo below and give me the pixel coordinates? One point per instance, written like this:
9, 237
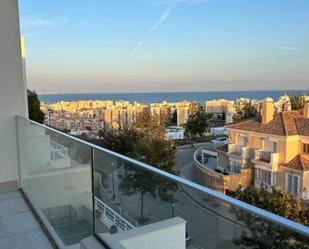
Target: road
209, 222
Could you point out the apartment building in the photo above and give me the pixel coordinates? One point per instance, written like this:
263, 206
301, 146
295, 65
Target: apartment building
220, 106
277, 146
164, 110
184, 109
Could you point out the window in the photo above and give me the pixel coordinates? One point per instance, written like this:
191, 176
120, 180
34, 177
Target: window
263, 176
292, 184
235, 167
305, 148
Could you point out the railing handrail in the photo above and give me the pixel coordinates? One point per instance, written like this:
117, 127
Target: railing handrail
284, 222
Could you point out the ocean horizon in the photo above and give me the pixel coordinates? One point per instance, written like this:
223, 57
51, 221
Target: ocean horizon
156, 97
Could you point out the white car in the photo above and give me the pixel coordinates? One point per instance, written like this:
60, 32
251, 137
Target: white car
220, 140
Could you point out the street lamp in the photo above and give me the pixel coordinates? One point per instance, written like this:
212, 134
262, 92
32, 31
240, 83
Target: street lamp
173, 209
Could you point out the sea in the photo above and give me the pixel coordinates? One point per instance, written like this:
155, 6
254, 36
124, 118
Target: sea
156, 97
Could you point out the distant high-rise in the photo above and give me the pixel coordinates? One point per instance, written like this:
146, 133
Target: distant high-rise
182, 112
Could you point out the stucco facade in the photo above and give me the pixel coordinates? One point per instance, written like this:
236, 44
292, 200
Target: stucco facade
279, 145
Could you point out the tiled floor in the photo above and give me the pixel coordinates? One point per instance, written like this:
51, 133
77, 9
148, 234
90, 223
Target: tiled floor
18, 227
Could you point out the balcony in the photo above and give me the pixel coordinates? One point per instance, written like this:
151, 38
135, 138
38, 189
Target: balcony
239, 151
120, 202
18, 227
266, 158
77, 190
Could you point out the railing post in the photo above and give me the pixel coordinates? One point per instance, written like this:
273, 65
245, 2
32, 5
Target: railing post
92, 190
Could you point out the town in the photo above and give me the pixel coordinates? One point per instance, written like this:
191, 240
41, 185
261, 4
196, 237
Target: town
90, 116
272, 151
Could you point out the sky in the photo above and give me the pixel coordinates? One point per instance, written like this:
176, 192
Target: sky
77, 46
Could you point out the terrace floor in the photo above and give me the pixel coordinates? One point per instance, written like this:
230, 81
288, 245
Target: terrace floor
18, 228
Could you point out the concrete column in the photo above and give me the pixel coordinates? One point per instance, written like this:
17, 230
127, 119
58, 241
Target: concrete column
12, 90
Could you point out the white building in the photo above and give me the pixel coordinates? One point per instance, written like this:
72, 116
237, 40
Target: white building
175, 133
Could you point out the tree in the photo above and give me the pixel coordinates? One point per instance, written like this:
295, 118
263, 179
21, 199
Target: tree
121, 141
150, 125
35, 112
247, 112
66, 130
263, 234
223, 115
145, 141
197, 123
297, 101
174, 118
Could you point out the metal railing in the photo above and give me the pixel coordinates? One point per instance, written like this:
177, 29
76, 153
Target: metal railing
214, 195
112, 216
58, 151
107, 212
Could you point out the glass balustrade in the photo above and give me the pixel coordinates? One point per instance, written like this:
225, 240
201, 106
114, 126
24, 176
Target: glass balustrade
79, 189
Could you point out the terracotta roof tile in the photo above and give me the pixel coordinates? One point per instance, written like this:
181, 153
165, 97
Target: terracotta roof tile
287, 123
300, 162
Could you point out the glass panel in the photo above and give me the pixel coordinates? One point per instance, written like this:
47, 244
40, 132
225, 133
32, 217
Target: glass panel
56, 178
130, 201
129, 197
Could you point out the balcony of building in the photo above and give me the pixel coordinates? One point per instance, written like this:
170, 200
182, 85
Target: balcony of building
61, 192
238, 151
214, 169
74, 203
266, 158
18, 227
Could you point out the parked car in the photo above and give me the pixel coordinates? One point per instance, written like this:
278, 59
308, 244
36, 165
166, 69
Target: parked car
220, 140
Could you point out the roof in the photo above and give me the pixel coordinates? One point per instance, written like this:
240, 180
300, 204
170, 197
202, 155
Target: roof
300, 162
286, 123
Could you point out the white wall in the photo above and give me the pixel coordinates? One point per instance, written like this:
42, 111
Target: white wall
12, 89
169, 234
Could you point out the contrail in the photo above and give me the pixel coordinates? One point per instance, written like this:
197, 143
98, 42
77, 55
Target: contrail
137, 47
162, 19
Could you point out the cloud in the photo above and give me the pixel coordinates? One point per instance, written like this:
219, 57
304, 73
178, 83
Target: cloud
39, 21
286, 48
137, 47
162, 19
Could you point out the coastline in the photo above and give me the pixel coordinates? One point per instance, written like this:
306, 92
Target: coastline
157, 97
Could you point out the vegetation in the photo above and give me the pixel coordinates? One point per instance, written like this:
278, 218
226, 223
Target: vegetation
146, 142
248, 111
121, 141
35, 112
113, 229
197, 123
297, 101
173, 119
265, 235
223, 115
